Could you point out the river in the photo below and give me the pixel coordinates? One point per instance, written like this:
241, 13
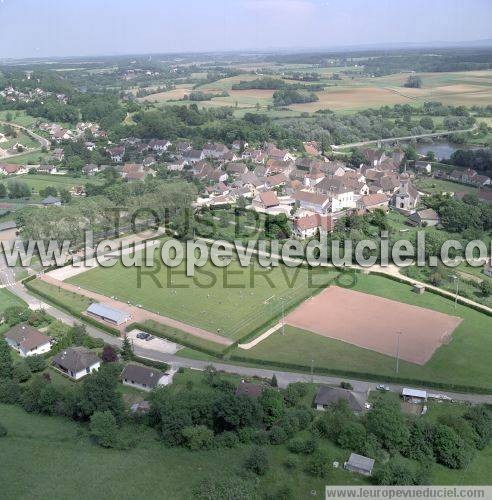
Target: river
442, 149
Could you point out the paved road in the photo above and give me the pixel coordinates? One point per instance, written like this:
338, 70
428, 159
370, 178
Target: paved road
405, 138
42, 141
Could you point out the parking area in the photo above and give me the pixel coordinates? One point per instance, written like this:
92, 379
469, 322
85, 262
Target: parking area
151, 342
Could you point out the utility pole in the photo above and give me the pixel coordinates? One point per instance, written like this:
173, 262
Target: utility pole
398, 351
312, 371
456, 280
283, 317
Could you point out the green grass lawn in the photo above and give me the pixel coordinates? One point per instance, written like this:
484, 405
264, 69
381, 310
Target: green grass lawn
432, 186
36, 182
51, 457
233, 299
8, 299
464, 361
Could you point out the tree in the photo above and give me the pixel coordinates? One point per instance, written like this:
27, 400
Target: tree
3, 431
427, 123
386, 422
65, 196
6, 364
103, 428
486, 287
198, 437
395, 473
414, 82
272, 402
277, 435
257, 461
126, 349
3, 191
353, 437
274, 382
99, 392
357, 158
48, 191
480, 417
109, 354
231, 412
449, 449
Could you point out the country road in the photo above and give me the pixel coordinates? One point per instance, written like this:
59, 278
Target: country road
284, 378
405, 138
44, 143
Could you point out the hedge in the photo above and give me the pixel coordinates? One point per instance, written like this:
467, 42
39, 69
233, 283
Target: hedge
174, 338
70, 310
362, 375
159, 365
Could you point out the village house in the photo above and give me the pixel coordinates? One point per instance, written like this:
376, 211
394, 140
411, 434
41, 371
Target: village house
487, 268
58, 154
256, 156
237, 168
215, 150
308, 226
76, 362
90, 169
176, 164
333, 168
327, 396
424, 218
117, 153
312, 148
312, 202
28, 341
374, 157
47, 169
159, 145
275, 153
249, 389
275, 181
193, 156
371, 202
144, 378
239, 145
13, 169
266, 200
340, 191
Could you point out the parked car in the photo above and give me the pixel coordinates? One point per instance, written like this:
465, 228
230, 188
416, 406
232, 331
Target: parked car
143, 335
382, 388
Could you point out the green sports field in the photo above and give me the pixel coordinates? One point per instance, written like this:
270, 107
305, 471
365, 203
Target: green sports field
235, 300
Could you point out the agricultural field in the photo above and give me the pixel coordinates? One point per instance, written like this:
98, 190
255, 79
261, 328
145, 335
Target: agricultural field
463, 361
19, 117
351, 93
7, 300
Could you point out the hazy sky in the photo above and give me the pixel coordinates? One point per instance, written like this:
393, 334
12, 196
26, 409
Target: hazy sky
35, 28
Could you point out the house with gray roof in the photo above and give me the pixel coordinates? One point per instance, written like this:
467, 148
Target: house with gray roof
360, 464
144, 378
27, 341
76, 362
327, 396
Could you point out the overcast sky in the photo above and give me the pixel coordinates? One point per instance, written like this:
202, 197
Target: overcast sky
43, 28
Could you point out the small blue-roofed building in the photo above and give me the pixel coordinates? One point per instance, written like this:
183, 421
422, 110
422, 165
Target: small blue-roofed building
108, 314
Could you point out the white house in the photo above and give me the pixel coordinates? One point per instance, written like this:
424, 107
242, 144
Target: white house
76, 362
27, 341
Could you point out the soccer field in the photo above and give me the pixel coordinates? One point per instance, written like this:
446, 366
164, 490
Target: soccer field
233, 301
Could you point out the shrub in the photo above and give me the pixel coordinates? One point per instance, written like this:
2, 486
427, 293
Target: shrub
296, 445
225, 488
226, 439
3, 431
261, 436
346, 385
257, 461
21, 372
36, 363
198, 437
395, 473
291, 462
9, 391
103, 428
277, 435
246, 434
319, 465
